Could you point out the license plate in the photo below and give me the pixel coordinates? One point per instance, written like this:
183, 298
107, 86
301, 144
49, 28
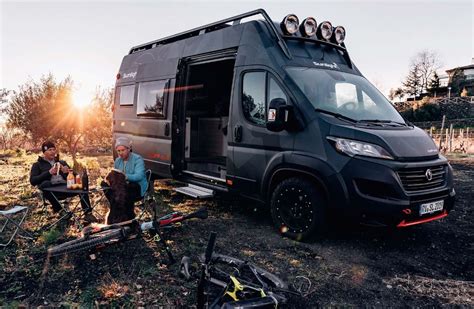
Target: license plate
428, 208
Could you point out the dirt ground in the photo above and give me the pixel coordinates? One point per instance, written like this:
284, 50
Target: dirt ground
423, 266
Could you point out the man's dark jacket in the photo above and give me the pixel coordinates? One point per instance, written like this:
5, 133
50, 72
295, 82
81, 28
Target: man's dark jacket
39, 174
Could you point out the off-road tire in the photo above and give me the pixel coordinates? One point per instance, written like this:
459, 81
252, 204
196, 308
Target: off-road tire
298, 209
90, 242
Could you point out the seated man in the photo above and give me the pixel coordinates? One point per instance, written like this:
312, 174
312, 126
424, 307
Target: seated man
43, 170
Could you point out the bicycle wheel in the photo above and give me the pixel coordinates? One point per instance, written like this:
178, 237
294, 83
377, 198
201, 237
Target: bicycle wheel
92, 241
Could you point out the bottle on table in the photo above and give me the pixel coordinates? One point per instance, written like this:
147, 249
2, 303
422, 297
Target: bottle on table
70, 179
85, 180
78, 181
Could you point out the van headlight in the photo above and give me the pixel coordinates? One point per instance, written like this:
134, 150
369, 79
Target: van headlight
352, 148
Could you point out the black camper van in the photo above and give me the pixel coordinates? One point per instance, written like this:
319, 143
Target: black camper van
278, 112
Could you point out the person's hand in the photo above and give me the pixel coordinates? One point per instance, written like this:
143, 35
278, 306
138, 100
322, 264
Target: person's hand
53, 170
64, 169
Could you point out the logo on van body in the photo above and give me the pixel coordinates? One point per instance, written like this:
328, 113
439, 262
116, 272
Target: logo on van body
130, 75
326, 65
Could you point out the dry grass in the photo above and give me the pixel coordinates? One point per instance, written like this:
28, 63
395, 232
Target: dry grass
430, 265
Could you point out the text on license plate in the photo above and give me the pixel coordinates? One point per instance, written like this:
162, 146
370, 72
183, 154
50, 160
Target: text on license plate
428, 208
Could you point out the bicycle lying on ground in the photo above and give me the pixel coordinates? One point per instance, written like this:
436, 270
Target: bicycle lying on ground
99, 236
228, 282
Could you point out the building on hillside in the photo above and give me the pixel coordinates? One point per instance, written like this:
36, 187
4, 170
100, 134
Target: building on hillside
461, 79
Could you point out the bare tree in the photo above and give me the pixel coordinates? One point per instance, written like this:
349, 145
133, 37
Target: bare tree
427, 63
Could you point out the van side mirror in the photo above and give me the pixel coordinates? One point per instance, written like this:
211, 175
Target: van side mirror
278, 115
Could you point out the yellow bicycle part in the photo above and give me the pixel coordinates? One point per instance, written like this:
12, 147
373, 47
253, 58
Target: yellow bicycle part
239, 287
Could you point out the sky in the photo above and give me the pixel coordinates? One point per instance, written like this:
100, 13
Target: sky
88, 39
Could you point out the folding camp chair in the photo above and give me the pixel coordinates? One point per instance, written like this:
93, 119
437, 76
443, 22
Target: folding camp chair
145, 203
15, 216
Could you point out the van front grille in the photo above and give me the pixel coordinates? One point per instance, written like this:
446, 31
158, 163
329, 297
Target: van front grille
423, 178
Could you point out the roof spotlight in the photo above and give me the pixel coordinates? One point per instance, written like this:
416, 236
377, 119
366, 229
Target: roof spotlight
338, 35
308, 27
324, 31
290, 23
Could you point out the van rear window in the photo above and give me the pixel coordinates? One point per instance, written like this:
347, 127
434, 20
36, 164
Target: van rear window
151, 98
126, 95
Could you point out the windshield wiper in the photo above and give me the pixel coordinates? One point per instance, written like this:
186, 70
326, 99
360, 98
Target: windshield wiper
337, 115
382, 122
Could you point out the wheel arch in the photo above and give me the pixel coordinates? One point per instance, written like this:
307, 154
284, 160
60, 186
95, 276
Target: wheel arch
289, 171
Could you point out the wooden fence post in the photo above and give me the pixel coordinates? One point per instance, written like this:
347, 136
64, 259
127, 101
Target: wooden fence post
451, 137
446, 141
441, 133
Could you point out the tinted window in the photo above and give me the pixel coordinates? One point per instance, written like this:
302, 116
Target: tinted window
126, 95
275, 91
253, 97
151, 98
343, 93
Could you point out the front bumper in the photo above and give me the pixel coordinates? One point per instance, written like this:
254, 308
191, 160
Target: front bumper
376, 195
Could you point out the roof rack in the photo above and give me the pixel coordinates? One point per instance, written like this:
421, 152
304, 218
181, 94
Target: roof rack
213, 27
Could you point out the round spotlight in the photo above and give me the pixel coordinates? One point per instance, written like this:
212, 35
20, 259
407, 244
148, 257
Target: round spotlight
338, 35
324, 31
308, 27
290, 23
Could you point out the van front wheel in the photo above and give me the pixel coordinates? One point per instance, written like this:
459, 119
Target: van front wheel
298, 209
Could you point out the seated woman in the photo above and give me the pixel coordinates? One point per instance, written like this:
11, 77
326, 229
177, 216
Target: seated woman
122, 194
133, 166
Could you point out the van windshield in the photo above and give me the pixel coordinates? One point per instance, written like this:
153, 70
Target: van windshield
349, 95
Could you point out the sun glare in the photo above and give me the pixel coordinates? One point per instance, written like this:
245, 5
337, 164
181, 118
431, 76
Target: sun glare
81, 98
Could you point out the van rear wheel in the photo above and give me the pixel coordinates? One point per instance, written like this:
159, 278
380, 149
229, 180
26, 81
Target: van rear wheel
298, 209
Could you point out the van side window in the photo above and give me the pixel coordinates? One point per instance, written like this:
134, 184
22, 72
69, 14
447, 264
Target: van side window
126, 95
151, 98
253, 97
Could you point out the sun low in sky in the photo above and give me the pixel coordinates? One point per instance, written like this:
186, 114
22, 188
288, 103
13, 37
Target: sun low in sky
81, 98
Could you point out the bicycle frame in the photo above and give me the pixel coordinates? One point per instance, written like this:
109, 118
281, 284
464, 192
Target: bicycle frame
94, 236
236, 292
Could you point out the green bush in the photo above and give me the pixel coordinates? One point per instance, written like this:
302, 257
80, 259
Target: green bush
427, 112
49, 237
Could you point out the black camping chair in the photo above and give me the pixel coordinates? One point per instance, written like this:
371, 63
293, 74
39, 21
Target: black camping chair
146, 202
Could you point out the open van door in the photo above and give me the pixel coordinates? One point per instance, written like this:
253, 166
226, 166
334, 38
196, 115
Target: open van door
201, 117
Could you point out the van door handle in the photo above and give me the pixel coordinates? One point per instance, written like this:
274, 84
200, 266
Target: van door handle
167, 129
238, 133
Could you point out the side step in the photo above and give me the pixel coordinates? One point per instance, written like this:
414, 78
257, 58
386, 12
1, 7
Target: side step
195, 191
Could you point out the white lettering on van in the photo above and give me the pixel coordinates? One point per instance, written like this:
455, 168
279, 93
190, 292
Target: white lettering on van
432, 150
327, 65
130, 75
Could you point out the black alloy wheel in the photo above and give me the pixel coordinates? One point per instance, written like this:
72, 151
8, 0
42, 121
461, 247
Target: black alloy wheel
298, 209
